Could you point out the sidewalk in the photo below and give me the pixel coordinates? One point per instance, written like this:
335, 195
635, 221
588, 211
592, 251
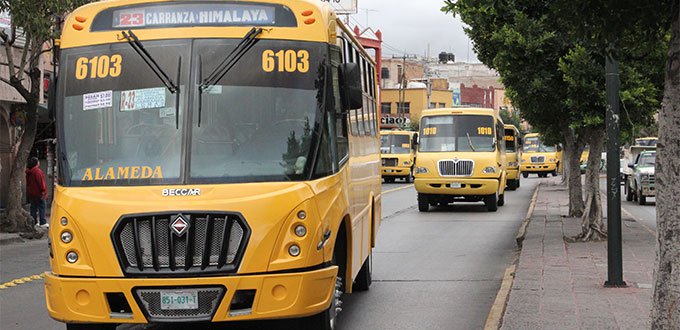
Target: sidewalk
558, 285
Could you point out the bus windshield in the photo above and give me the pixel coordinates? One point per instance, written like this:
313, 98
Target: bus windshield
510, 140
256, 123
534, 144
395, 144
450, 133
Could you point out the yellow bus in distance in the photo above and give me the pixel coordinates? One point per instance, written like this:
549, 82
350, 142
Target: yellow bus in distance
461, 157
539, 158
220, 162
513, 154
397, 150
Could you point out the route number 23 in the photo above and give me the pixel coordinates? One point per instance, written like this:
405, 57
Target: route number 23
285, 61
99, 67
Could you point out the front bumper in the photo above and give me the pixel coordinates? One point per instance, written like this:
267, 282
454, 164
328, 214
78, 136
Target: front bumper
539, 168
513, 173
469, 186
83, 300
395, 171
648, 191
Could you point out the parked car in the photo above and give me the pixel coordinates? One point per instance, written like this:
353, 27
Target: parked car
640, 184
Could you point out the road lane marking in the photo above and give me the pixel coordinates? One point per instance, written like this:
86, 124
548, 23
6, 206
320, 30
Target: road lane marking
396, 189
22, 280
493, 321
638, 220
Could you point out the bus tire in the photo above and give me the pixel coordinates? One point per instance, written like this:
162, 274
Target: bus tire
642, 199
423, 203
491, 202
629, 192
518, 182
365, 277
389, 179
513, 184
91, 326
501, 200
525, 175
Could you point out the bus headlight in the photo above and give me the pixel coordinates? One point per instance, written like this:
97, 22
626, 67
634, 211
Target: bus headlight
72, 257
294, 250
513, 164
422, 170
489, 170
66, 237
552, 160
407, 163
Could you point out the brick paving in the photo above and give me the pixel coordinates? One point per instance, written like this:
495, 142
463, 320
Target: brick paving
558, 285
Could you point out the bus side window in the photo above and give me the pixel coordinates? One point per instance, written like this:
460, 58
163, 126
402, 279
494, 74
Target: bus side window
341, 134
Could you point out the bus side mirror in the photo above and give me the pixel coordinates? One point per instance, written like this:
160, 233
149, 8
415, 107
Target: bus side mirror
351, 94
559, 148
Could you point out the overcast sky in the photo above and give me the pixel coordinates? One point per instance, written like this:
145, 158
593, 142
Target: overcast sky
410, 25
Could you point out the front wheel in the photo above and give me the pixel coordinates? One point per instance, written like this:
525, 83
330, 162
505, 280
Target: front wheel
365, 277
423, 203
513, 184
491, 202
525, 175
501, 199
642, 199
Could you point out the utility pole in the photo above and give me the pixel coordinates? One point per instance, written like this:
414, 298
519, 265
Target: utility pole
366, 10
614, 244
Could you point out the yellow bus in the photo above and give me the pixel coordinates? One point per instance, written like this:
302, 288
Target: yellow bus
513, 152
397, 149
220, 161
461, 157
539, 158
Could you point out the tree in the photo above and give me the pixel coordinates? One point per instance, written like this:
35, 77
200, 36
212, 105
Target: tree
510, 118
39, 21
553, 68
666, 303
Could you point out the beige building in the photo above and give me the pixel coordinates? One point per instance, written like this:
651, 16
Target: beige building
415, 101
394, 70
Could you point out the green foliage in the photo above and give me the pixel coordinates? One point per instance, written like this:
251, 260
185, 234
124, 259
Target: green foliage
551, 54
37, 18
510, 118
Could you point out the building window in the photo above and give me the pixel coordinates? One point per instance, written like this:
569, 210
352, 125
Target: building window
385, 108
442, 105
404, 107
433, 105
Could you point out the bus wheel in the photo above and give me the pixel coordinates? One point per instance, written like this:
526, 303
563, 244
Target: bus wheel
554, 173
423, 203
512, 184
629, 192
501, 199
518, 182
491, 202
365, 277
389, 180
525, 174
91, 326
409, 177
642, 199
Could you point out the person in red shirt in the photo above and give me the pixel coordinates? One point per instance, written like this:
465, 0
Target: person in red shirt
36, 191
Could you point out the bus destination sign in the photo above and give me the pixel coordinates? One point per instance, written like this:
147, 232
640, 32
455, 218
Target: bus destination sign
194, 15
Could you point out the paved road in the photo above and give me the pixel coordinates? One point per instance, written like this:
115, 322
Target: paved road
436, 270
645, 214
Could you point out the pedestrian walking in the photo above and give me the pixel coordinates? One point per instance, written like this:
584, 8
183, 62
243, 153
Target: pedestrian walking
36, 191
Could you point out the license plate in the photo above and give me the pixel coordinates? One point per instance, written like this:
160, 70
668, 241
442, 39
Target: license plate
456, 185
179, 299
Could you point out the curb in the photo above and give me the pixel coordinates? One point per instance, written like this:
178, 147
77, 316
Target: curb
493, 320
523, 228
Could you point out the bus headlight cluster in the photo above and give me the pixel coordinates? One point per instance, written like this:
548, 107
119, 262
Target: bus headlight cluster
294, 250
66, 236
489, 170
300, 231
72, 257
64, 221
422, 170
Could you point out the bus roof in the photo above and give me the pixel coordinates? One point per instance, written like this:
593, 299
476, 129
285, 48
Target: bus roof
318, 26
528, 135
458, 111
510, 126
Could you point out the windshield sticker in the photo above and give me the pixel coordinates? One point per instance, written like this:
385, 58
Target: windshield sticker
166, 112
97, 100
191, 15
285, 61
119, 173
99, 67
139, 99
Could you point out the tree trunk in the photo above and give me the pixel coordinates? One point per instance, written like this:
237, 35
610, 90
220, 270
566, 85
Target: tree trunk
591, 222
666, 301
572, 155
17, 219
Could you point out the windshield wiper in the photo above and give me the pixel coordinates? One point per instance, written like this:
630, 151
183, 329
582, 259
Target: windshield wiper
470, 142
173, 87
248, 41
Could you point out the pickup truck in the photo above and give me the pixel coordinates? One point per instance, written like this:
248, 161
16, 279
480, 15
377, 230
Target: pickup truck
639, 183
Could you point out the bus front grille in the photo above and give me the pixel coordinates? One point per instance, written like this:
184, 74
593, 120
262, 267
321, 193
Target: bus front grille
453, 167
208, 300
538, 159
390, 161
180, 243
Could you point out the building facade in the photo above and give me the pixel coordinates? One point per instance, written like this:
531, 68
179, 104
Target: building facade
415, 101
